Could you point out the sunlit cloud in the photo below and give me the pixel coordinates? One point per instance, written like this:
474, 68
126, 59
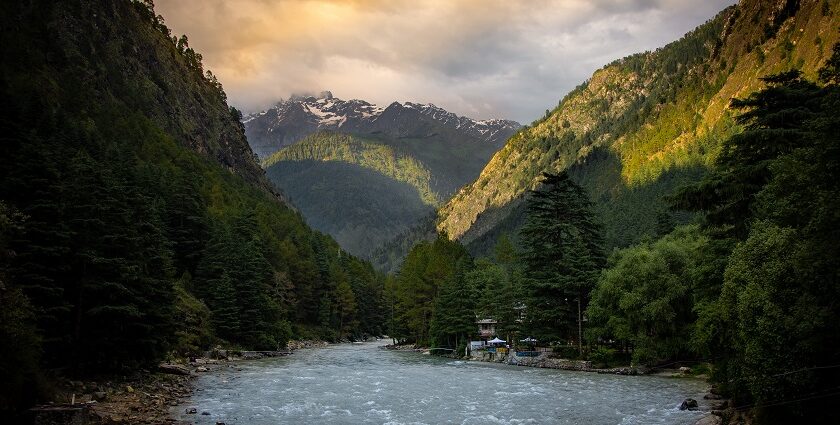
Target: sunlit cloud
483, 59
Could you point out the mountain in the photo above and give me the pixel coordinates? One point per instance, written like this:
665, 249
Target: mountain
291, 120
454, 148
135, 221
397, 163
644, 125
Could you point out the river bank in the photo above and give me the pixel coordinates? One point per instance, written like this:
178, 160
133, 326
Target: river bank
716, 406
718, 409
147, 396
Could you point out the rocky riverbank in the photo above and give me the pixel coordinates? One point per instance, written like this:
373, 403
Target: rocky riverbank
549, 361
406, 347
145, 397
719, 408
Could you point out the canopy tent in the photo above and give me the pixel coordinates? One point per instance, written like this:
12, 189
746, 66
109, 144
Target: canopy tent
496, 340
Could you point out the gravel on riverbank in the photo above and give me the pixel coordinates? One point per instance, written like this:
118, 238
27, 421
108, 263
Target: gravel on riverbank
145, 397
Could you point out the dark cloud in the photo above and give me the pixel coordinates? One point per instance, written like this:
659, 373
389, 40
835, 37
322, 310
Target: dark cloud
478, 58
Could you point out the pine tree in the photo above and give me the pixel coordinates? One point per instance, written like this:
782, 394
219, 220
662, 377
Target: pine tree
453, 319
223, 304
774, 191
563, 257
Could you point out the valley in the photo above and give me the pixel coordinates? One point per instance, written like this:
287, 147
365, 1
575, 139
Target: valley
166, 257
392, 165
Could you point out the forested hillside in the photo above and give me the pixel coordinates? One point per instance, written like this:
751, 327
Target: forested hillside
135, 222
647, 124
367, 153
358, 190
363, 173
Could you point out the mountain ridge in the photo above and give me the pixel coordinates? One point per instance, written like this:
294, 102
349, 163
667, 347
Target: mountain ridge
656, 112
306, 114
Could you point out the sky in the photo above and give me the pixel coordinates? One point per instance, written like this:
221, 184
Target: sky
478, 58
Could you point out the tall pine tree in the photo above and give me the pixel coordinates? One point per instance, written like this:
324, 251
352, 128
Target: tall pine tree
563, 257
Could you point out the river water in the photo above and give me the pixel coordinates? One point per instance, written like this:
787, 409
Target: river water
362, 383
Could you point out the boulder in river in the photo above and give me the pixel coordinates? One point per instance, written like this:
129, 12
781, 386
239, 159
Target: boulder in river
689, 404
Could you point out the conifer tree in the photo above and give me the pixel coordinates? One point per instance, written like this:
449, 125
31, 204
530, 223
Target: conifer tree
563, 257
453, 320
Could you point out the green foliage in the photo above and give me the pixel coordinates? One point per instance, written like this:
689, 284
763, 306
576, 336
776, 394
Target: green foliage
774, 326
20, 345
602, 356
453, 320
361, 208
427, 268
645, 298
147, 230
388, 256
384, 159
194, 332
500, 294
774, 120
563, 257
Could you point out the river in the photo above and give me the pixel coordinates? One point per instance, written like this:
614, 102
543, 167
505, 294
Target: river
362, 383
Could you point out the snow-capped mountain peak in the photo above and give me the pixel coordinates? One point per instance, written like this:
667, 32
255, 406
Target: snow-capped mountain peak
293, 119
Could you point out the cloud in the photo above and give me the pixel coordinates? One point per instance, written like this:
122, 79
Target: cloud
480, 58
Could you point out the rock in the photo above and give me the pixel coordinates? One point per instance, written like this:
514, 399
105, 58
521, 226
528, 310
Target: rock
712, 396
205, 413
129, 389
709, 420
191, 411
719, 404
689, 404
100, 396
685, 370
173, 369
201, 369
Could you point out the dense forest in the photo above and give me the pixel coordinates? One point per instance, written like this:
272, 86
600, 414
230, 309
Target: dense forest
359, 190
135, 223
749, 288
